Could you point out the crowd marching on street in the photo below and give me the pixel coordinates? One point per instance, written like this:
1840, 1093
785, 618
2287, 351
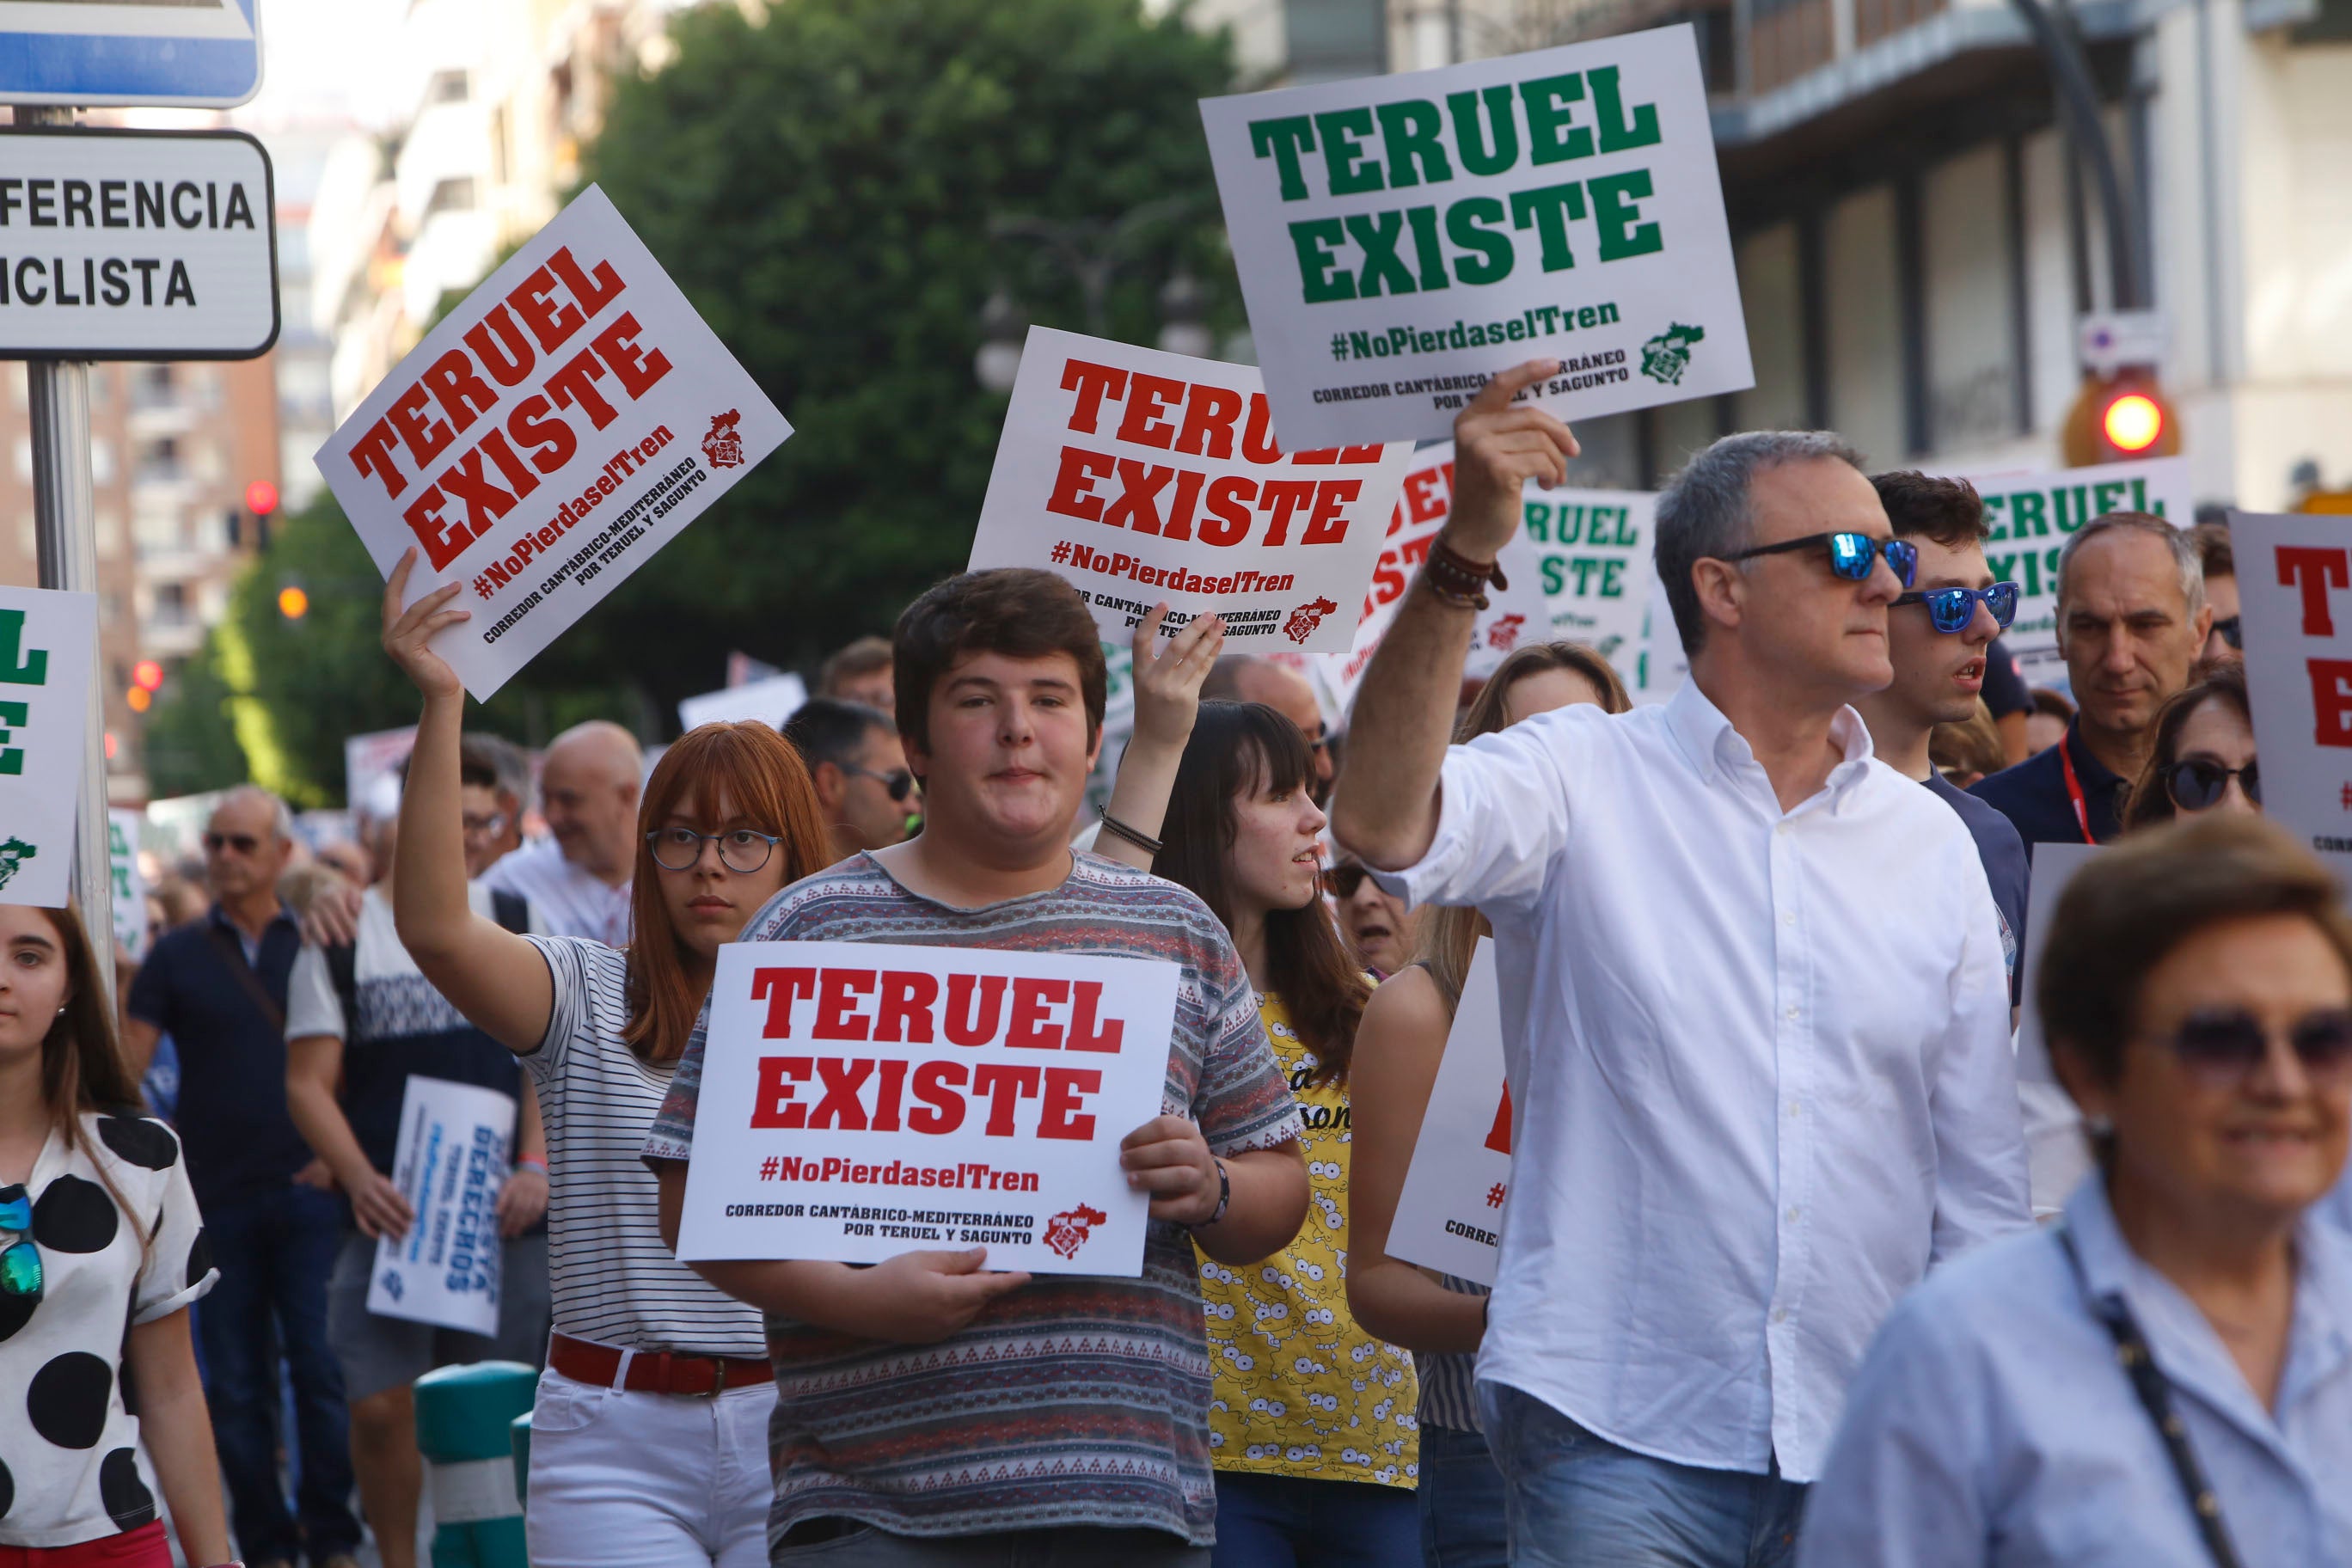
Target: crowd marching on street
1840, 1229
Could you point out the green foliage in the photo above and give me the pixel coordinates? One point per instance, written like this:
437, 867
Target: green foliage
190, 743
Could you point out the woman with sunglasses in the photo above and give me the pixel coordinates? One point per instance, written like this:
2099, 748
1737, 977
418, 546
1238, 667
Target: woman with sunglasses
2203, 758
649, 1439
2164, 1376
102, 1253
1438, 1318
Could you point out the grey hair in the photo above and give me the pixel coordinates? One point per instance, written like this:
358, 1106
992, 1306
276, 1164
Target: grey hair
281, 816
2185, 557
1704, 513
507, 761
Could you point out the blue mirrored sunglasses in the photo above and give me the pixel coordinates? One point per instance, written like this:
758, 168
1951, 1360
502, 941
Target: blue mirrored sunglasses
20, 1261
1951, 609
1851, 556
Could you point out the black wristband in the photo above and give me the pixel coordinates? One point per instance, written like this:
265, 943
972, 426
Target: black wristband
1224, 1195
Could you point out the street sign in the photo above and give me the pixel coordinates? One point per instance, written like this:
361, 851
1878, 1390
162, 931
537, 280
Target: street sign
146, 244
2110, 339
200, 54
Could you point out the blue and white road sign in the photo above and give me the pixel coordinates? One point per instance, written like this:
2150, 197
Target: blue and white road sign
197, 53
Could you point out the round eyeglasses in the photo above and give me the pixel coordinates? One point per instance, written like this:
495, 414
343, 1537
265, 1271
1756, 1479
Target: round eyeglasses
1950, 610
2198, 783
740, 849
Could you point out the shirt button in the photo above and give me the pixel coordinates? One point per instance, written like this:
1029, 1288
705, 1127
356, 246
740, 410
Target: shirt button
1794, 1213
1792, 1012
1781, 829
1779, 1314
1789, 918
1795, 1108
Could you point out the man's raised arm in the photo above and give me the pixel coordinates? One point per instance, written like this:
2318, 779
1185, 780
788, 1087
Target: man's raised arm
1385, 809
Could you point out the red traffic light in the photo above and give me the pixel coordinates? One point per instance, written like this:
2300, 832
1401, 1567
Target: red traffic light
147, 675
261, 498
2118, 419
2133, 422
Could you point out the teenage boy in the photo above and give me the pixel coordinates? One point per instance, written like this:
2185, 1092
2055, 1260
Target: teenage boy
1054, 1420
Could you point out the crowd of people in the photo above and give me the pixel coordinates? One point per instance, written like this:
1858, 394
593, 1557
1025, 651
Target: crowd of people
1770, 1286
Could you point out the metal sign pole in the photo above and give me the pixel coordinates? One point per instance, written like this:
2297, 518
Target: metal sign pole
59, 395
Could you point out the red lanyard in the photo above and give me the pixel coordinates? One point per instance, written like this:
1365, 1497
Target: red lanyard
2075, 791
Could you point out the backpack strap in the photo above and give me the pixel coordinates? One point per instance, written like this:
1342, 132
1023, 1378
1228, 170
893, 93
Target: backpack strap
511, 911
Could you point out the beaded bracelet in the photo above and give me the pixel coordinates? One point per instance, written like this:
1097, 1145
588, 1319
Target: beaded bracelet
1457, 580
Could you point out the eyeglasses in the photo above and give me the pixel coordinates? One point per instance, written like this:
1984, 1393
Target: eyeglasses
1344, 879
488, 827
1851, 556
898, 781
1950, 610
740, 849
2221, 1046
2232, 633
20, 1263
2198, 783
243, 843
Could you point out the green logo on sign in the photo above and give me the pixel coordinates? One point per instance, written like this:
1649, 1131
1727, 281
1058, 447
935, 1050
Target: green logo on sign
13, 854
1667, 355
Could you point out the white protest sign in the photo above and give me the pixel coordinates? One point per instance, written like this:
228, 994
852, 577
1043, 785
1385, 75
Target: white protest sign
449, 1164
48, 641
1663, 665
1449, 1215
1144, 477
2055, 866
1592, 551
862, 1099
371, 767
2294, 595
130, 885
1514, 614
553, 432
2033, 515
1401, 238
770, 701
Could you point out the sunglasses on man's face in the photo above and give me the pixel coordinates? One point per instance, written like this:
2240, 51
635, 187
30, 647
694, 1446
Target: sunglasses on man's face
899, 782
243, 843
2221, 1046
2231, 632
2198, 783
1949, 610
1344, 879
1853, 556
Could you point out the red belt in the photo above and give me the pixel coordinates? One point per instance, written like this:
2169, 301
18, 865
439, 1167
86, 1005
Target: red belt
654, 1372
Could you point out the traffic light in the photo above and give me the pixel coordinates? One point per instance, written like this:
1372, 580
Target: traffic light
146, 679
2119, 418
293, 601
261, 501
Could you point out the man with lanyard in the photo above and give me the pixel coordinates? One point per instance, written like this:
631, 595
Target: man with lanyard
2131, 618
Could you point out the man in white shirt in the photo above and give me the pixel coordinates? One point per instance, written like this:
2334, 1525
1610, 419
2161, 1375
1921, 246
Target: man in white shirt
579, 878
1754, 1009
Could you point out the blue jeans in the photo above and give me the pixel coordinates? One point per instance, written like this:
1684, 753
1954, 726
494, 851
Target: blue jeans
275, 1250
1291, 1521
1578, 1501
1462, 1510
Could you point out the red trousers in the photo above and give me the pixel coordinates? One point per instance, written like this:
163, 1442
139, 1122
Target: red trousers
146, 1547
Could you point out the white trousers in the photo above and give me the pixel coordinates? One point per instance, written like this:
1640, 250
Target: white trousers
628, 1480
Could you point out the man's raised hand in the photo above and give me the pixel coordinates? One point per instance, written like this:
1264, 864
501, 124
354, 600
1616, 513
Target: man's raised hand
1498, 446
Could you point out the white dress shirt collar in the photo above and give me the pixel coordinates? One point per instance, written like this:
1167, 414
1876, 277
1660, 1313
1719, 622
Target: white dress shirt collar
1718, 750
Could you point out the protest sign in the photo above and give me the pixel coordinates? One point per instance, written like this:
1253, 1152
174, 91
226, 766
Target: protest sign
2055, 866
130, 885
1401, 238
1662, 665
449, 1164
48, 641
1514, 614
1592, 553
770, 701
553, 432
1449, 1215
1145, 478
2294, 599
372, 768
861, 1100
2033, 515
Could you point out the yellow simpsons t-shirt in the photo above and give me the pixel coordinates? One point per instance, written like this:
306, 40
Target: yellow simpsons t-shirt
1300, 1389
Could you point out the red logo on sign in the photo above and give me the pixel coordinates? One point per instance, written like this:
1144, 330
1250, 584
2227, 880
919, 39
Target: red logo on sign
1306, 618
1067, 1231
723, 446
1505, 632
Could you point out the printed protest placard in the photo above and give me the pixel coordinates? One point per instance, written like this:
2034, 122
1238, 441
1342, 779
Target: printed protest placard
1144, 477
861, 1100
1401, 238
1592, 550
2294, 597
372, 768
553, 432
770, 701
2033, 515
130, 885
2055, 866
1662, 665
450, 1162
48, 641
1449, 1215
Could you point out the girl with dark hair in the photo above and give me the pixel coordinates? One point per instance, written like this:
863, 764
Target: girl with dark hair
96, 1216
649, 1437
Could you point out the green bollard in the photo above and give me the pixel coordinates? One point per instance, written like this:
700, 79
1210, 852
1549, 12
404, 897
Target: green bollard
462, 1416
519, 1433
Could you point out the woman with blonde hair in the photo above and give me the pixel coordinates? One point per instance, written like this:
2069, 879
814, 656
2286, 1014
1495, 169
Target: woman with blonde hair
649, 1435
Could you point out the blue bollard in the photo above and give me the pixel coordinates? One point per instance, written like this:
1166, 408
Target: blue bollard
463, 1416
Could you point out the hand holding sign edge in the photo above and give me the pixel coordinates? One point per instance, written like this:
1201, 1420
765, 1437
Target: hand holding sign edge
1499, 446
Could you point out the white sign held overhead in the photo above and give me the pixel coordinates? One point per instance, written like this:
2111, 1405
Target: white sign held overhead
556, 430
191, 53
130, 885
452, 1159
136, 245
1593, 553
1145, 478
770, 701
1449, 1214
2295, 587
1401, 238
861, 1100
48, 642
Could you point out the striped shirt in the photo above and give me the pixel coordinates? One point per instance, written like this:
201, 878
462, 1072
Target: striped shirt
1449, 1379
1073, 1400
612, 1280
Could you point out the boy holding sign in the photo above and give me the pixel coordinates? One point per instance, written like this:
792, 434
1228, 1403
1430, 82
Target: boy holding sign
1086, 1432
